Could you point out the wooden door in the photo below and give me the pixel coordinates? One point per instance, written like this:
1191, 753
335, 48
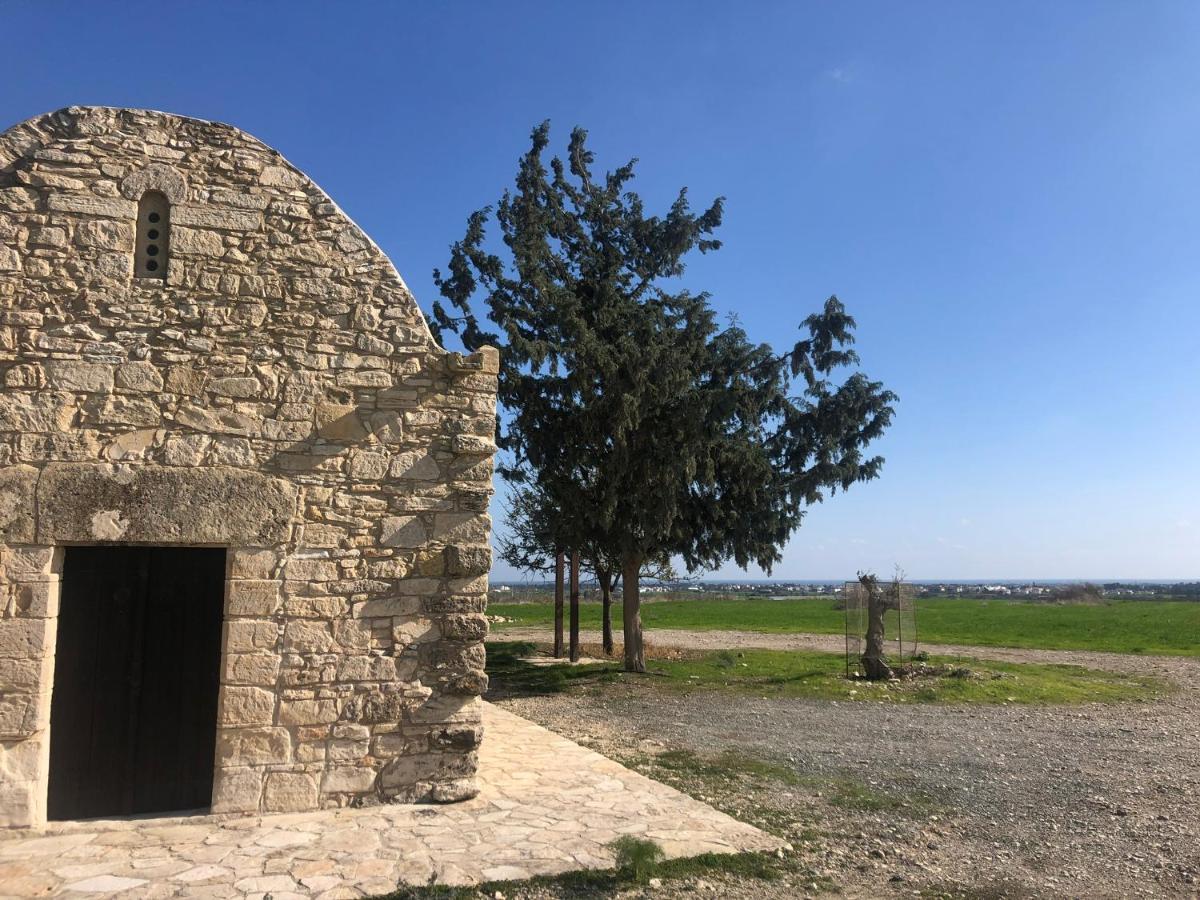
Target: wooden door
136, 673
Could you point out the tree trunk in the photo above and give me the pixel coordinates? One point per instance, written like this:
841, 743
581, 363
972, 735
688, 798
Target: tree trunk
635, 656
558, 604
574, 606
874, 660
605, 579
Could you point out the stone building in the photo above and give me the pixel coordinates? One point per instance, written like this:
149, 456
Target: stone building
243, 493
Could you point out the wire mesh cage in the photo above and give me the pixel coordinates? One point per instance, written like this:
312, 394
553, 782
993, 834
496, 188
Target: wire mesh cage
899, 621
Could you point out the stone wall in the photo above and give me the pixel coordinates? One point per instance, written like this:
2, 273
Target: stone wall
277, 393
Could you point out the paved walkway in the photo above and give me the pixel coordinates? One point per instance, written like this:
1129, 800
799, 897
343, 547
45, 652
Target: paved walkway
546, 805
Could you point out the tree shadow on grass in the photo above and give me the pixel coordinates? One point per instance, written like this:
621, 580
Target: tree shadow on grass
511, 674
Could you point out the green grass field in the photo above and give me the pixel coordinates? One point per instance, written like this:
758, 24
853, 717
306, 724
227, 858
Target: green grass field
822, 676
1129, 626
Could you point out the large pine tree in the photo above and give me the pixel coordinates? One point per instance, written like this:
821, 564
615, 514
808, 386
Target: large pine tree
655, 432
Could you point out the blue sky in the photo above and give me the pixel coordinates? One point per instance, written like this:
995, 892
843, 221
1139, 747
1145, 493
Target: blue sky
1006, 196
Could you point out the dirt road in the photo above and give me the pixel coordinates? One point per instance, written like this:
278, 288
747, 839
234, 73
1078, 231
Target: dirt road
1083, 801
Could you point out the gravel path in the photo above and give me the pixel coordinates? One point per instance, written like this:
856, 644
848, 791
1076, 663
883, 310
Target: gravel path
1081, 801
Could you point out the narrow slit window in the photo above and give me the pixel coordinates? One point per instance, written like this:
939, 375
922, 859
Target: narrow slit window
153, 235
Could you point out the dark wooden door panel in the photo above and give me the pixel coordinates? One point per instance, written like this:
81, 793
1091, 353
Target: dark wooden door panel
137, 667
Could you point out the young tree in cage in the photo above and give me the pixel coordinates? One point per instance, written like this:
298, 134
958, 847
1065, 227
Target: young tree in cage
879, 600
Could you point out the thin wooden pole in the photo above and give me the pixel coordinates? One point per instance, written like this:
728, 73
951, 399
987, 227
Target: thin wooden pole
558, 604
574, 606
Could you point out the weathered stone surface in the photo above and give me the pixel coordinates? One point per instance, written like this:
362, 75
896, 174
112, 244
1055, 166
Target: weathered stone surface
246, 706
268, 386
73, 375
251, 746
339, 421
401, 531
468, 560
185, 380
105, 235
237, 790
473, 445
163, 505
17, 487
347, 780
417, 466
252, 598
289, 792
139, 376
34, 413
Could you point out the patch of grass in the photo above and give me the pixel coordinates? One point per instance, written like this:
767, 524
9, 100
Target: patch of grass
849, 793
821, 676
1167, 627
636, 857
811, 675
607, 882
730, 764
723, 773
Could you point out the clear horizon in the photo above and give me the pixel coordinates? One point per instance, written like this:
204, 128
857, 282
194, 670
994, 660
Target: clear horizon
703, 580
1006, 197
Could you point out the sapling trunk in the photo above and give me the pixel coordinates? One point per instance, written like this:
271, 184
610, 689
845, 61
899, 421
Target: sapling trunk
558, 604
605, 579
574, 606
635, 656
874, 660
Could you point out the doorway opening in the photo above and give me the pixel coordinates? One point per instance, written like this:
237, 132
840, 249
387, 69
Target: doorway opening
133, 716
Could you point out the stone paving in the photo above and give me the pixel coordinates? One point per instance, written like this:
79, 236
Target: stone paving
546, 805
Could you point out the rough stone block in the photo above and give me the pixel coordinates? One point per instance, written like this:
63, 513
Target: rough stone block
185, 380
348, 780
246, 388
401, 531
139, 376
21, 805
22, 715
260, 669
253, 746
462, 528
21, 760
339, 422
248, 635
415, 466
473, 445
468, 560
308, 712
73, 375
303, 636
18, 485
302, 569
289, 792
369, 464
246, 706
194, 242
237, 790
25, 638
216, 505
252, 563
105, 235
37, 413
253, 598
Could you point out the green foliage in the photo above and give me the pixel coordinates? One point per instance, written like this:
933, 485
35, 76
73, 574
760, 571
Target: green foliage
637, 856
1170, 627
643, 429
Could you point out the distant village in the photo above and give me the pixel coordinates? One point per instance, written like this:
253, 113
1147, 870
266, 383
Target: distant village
1030, 590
